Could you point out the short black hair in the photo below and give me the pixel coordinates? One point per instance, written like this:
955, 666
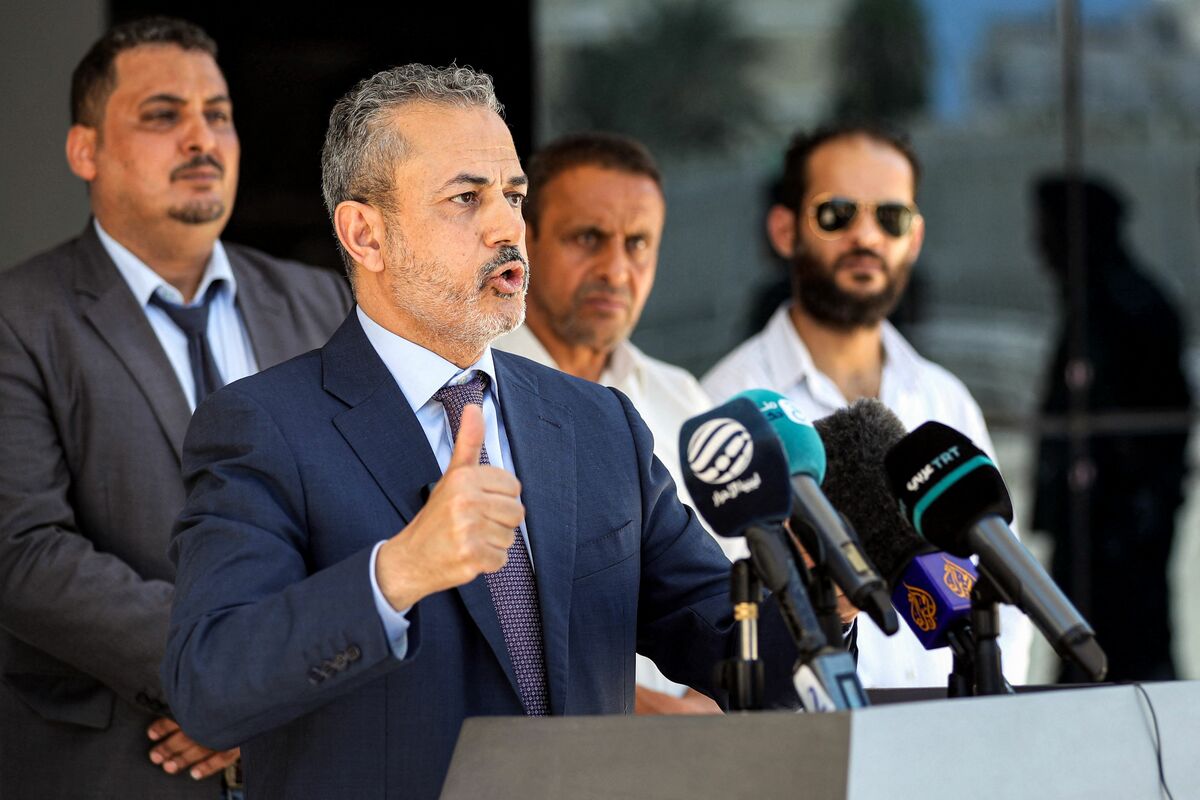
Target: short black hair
593, 148
791, 187
95, 76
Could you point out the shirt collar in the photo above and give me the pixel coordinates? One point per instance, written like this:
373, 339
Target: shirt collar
901, 363
521, 341
625, 363
788, 359
420, 372
790, 363
144, 282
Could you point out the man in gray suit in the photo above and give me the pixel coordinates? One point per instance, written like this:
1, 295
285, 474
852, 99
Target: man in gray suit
107, 343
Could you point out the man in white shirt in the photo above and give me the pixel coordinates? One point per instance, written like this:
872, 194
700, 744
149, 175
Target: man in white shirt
848, 224
594, 223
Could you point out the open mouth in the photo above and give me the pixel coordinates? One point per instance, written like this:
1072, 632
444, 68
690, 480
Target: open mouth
509, 280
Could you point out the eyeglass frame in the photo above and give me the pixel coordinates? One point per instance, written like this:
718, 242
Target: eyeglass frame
810, 211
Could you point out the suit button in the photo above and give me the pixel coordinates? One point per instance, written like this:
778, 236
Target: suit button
338, 662
316, 675
353, 653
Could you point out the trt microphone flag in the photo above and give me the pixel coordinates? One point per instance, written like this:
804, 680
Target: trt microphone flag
944, 484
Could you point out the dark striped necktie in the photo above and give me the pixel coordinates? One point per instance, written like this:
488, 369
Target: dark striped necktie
193, 321
512, 587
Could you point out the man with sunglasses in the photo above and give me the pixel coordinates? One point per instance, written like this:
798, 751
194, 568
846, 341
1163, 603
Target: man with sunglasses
848, 224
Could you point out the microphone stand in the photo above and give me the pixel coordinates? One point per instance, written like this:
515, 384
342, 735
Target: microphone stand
985, 623
742, 675
825, 678
964, 679
961, 682
820, 589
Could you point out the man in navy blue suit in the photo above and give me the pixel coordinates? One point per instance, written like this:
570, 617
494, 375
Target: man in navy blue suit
539, 541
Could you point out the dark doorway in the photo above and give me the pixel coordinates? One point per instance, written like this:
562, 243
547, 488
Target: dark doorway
286, 68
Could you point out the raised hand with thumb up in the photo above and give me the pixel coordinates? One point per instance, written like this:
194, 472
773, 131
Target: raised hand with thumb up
464, 529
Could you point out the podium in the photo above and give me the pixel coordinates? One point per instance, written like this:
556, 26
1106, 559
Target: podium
1094, 742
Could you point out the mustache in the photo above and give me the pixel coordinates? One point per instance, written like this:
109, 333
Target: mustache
505, 255
859, 252
197, 162
599, 288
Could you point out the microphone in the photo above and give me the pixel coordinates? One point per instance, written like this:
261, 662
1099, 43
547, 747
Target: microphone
953, 495
930, 589
733, 467
815, 521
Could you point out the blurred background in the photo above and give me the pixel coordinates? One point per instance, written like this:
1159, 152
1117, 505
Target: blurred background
993, 92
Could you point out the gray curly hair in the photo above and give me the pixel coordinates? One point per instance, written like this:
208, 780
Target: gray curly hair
361, 146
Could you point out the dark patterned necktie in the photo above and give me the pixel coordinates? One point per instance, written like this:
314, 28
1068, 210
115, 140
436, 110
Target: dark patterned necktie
512, 586
193, 321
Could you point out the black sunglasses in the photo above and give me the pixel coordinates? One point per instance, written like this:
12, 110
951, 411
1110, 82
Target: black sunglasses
833, 215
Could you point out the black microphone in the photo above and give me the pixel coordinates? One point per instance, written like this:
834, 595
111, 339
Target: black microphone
930, 589
736, 472
734, 469
814, 519
953, 495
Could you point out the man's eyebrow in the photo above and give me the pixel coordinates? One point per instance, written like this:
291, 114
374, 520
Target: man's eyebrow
479, 180
588, 227
467, 178
163, 98
175, 99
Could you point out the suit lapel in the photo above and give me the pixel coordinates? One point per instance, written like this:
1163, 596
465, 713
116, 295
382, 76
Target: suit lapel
379, 426
387, 437
116, 316
541, 436
263, 313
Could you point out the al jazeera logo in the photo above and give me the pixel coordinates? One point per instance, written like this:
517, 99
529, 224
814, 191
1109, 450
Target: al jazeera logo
957, 579
923, 605
922, 608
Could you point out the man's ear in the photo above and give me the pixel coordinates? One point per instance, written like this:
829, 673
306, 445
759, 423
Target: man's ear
360, 230
81, 151
782, 230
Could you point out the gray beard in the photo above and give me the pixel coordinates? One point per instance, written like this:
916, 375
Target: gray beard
451, 314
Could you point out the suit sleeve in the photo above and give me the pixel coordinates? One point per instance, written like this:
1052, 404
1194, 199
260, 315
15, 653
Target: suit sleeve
255, 640
58, 594
685, 619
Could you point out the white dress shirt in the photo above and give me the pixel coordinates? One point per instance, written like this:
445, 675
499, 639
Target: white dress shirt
665, 396
917, 391
227, 338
